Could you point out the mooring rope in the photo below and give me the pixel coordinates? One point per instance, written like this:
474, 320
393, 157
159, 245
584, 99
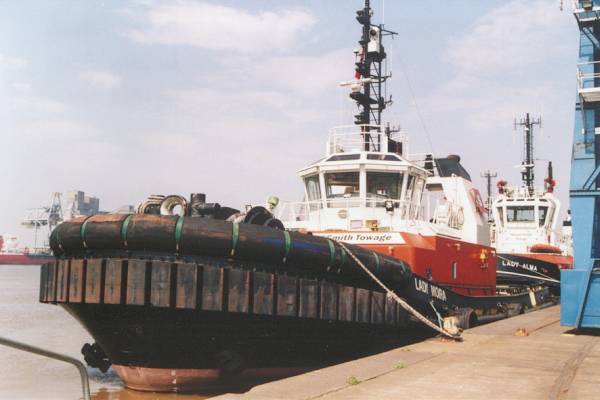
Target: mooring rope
400, 301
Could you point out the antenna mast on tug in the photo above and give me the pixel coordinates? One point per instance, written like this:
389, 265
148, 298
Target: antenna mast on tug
368, 89
488, 177
528, 164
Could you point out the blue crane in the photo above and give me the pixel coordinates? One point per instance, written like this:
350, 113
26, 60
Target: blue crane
580, 287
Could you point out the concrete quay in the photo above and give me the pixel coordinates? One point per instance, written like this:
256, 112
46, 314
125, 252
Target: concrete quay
526, 357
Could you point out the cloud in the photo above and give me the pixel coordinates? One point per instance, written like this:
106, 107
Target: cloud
101, 79
60, 129
495, 64
13, 62
216, 27
308, 75
500, 69
22, 87
281, 88
27, 103
516, 34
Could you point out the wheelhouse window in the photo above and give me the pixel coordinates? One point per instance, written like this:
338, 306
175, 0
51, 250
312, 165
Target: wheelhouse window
412, 195
409, 187
383, 157
342, 184
313, 190
550, 218
542, 214
520, 214
418, 190
344, 157
384, 185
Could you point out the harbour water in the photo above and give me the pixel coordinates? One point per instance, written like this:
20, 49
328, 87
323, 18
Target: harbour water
26, 376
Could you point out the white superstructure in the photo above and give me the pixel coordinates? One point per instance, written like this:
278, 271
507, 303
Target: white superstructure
9, 244
374, 187
523, 219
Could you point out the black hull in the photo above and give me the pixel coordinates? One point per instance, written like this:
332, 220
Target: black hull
212, 319
519, 270
189, 339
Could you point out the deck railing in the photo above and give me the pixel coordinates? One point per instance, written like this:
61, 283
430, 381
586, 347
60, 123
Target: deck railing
587, 77
443, 213
354, 138
301, 211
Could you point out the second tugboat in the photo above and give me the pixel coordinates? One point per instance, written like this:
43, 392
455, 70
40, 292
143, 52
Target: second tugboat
530, 250
176, 302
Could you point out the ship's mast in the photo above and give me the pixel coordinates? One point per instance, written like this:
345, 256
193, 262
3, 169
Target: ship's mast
369, 90
488, 177
528, 164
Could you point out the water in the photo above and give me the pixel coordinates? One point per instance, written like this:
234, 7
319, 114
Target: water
27, 376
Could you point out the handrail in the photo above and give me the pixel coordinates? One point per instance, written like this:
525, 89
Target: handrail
408, 209
588, 63
517, 192
585, 77
445, 213
579, 9
85, 382
349, 138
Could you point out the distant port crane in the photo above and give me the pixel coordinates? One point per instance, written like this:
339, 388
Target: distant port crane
44, 217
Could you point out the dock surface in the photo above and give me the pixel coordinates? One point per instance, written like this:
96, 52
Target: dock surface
526, 357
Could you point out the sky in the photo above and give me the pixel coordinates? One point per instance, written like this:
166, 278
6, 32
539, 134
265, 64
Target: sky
232, 98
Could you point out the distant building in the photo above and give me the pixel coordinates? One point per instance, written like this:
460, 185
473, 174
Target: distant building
80, 204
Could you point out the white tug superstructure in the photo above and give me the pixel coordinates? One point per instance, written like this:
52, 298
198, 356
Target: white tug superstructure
524, 233
365, 187
523, 220
426, 212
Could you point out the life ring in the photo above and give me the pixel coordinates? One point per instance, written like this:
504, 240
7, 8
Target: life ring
545, 249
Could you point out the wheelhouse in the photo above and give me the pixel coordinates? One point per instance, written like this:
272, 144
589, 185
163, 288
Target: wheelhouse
364, 182
361, 180
367, 183
526, 212
523, 219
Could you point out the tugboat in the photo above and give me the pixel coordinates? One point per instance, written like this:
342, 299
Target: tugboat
178, 301
530, 250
